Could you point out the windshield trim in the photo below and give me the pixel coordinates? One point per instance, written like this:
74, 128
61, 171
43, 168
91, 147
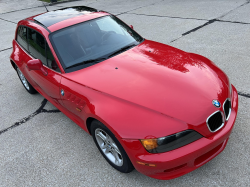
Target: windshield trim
77, 68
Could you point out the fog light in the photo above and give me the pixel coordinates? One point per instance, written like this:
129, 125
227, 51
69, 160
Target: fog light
175, 168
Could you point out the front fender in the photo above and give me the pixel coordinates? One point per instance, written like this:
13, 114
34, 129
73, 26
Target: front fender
128, 120
124, 119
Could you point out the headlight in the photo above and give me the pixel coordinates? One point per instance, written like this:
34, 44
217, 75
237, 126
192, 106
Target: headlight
168, 143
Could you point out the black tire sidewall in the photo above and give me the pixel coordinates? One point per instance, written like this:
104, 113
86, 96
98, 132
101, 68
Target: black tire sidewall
127, 165
32, 89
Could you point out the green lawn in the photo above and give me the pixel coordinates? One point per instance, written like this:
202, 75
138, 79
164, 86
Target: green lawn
48, 1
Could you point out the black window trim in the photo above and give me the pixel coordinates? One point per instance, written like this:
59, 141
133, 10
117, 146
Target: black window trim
28, 52
45, 45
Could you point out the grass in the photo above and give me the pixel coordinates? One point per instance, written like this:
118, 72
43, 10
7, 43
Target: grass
48, 1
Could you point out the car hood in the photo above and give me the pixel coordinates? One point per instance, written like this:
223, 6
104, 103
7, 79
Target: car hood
161, 78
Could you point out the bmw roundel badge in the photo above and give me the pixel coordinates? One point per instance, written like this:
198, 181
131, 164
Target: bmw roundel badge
62, 92
216, 103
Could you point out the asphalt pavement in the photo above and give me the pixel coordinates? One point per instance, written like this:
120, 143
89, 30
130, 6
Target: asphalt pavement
40, 146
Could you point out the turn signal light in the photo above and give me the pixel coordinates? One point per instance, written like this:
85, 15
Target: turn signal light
78, 109
149, 143
146, 164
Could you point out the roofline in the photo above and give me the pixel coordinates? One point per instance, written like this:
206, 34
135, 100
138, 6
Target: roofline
37, 22
76, 20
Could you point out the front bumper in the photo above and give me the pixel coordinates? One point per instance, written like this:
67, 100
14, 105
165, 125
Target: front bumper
183, 160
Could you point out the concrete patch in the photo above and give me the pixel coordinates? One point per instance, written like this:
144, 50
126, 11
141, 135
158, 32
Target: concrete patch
16, 103
22, 14
7, 34
13, 5
191, 9
226, 46
113, 6
160, 29
241, 14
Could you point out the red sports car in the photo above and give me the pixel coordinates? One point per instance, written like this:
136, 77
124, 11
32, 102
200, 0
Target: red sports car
147, 105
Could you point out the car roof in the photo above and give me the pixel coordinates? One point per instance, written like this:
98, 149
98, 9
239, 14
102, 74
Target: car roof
64, 17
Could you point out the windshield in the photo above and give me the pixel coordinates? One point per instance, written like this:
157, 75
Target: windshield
87, 43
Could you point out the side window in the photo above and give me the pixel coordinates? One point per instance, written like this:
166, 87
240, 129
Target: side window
22, 37
50, 59
37, 45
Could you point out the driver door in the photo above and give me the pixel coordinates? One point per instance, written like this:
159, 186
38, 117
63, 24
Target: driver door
48, 83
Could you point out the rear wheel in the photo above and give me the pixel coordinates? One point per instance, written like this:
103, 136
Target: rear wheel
110, 147
25, 83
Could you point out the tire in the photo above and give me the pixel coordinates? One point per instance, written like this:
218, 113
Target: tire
25, 82
110, 147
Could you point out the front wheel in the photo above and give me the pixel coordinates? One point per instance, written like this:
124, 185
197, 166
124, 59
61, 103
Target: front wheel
110, 147
25, 83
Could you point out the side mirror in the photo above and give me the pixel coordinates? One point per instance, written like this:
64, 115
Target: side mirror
36, 64
131, 26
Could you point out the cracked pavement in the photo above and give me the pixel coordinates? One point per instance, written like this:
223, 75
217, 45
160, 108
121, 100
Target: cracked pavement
40, 146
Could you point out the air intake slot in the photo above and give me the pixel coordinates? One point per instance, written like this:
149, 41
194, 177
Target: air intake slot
215, 121
227, 108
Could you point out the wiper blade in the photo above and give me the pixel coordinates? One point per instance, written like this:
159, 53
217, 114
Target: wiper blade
100, 59
86, 62
122, 49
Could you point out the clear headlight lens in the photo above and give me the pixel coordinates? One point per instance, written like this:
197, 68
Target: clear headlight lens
168, 143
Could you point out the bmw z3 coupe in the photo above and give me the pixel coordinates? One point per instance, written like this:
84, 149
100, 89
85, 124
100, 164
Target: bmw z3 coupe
147, 105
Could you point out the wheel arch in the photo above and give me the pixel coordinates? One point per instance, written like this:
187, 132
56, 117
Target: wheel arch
88, 123
90, 119
13, 64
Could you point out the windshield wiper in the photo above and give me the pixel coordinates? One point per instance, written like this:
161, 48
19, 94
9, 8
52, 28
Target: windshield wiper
86, 62
103, 58
122, 49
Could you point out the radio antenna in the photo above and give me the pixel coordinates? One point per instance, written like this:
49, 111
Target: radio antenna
45, 7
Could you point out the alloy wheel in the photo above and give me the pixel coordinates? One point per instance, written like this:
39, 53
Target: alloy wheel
108, 147
23, 79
